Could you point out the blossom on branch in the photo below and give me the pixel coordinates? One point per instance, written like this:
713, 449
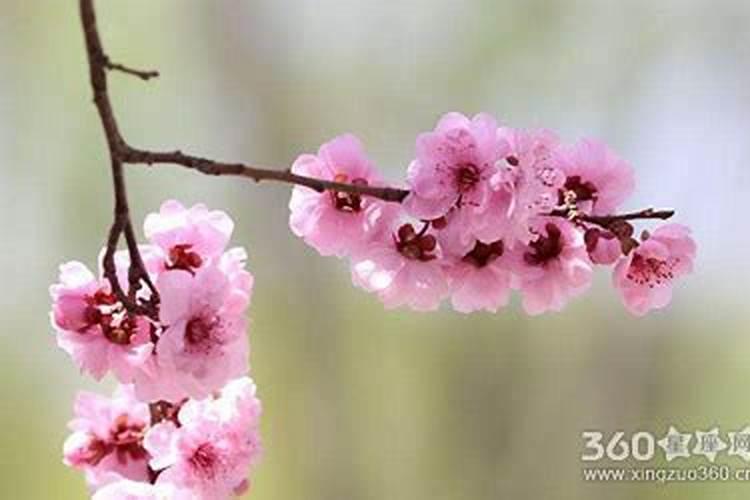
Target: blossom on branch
335, 222
645, 277
490, 209
93, 327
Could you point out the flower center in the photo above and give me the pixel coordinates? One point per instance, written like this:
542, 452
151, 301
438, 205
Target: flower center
545, 248
483, 253
98, 309
119, 330
125, 440
467, 176
413, 245
126, 437
165, 411
650, 271
182, 257
103, 310
583, 191
204, 460
347, 202
198, 330
204, 335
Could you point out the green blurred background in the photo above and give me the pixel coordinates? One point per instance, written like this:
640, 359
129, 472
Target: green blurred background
362, 403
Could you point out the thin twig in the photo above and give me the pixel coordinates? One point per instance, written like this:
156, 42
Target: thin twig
142, 74
607, 220
258, 174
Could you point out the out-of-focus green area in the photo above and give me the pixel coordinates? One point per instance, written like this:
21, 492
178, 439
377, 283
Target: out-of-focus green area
362, 403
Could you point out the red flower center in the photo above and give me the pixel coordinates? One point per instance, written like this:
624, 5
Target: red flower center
483, 253
413, 245
205, 460
125, 440
650, 271
198, 330
584, 191
182, 257
347, 202
545, 248
467, 176
120, 332
103, 310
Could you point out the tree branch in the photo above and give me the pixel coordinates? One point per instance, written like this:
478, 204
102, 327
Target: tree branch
98, 65
258, 174
607, 220
142, 74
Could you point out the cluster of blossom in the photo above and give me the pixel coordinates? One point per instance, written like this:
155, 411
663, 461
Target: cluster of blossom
183, 421
490, 209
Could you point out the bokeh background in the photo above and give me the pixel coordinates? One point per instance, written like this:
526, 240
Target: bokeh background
362, 403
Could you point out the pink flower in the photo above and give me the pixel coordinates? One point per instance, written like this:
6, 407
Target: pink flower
203, 344
213, 446
188, 236
332, 222
126, 489
232, 264
645, 277
454, 166
93, 327
107, 439
554, 267
403, 268
481, 279
526, 186
599, 179
603, 246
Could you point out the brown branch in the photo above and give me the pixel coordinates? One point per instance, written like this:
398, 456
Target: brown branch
258, 174
98, 65
607, 220
121, 153
142, 74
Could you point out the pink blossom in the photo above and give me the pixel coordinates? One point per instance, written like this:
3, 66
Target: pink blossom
453, 167
526, 185
188, 236
604, 248
93, 327
645, 277
481, 279
599, 179
213, 446
107, 439
232, 264
203, 344
554, 267
403, 267
333, 222
126, 489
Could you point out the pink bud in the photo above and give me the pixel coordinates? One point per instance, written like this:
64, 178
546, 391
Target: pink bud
606, 249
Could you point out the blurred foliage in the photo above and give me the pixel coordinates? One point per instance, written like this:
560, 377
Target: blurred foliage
362, 403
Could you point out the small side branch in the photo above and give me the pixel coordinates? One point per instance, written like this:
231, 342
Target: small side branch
607, 220
142, 74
